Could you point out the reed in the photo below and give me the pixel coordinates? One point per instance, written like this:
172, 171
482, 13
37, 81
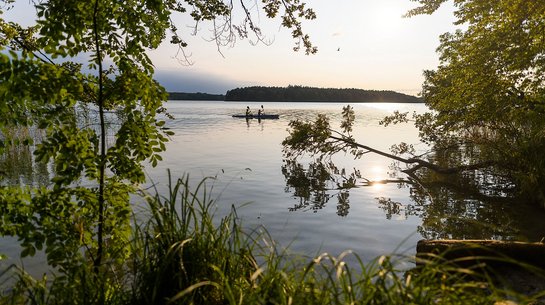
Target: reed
182, 253
188, 258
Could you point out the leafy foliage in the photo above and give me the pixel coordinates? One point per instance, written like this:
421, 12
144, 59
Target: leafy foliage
81, 76
39, 92
488, 93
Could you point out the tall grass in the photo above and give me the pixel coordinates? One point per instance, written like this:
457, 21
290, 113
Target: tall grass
187, 258
184, 254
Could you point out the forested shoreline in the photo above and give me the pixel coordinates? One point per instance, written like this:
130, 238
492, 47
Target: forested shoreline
313, 94
199, 96
300, 94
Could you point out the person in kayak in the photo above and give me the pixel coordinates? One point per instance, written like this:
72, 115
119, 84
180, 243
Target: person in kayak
248, 112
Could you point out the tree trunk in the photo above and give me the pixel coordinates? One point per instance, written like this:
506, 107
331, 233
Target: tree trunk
492, 252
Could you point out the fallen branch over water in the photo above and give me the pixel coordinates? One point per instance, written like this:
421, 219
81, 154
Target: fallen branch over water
418, 163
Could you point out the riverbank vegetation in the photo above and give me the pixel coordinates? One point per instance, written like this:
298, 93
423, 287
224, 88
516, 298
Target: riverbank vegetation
182, 253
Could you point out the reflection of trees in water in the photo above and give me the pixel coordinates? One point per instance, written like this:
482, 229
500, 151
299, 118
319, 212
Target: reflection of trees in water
18, 167
317, 184
466, 183
464, 207
446, 213
17, 162
449, 206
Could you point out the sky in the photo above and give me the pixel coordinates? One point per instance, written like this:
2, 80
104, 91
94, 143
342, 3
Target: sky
364, 44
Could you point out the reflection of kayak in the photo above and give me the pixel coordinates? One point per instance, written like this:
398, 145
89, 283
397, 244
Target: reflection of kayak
255, 116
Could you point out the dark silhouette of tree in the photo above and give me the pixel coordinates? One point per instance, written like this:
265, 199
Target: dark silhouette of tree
311, 94
488, 92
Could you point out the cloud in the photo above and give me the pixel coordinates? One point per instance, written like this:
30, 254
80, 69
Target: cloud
338, 31
191, 81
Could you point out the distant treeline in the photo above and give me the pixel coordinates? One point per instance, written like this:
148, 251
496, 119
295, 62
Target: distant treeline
195, 96
312, 94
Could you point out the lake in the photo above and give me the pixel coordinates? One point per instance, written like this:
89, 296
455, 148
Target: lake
245, 159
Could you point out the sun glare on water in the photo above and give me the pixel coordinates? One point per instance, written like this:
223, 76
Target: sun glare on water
377, 177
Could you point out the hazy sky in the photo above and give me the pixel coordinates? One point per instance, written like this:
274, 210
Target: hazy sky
361, 44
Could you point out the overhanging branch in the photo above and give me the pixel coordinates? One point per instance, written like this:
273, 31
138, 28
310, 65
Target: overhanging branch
417, 163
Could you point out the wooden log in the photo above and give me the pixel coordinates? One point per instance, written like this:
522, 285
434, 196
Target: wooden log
492, 252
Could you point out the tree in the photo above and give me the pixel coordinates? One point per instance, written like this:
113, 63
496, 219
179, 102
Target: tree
487, 99
488, 93
82, 217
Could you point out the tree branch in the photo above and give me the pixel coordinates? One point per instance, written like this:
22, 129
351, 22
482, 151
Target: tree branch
418, 163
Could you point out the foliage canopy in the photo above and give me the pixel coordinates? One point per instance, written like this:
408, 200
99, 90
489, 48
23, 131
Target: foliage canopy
81, 77
488, 93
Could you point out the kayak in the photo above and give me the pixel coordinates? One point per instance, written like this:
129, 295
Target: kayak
255, 116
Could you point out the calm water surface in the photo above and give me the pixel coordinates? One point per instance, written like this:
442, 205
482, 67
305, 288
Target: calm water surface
245, 157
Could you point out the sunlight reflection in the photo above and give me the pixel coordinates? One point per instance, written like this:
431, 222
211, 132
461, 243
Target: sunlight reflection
376, 178
378, 185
